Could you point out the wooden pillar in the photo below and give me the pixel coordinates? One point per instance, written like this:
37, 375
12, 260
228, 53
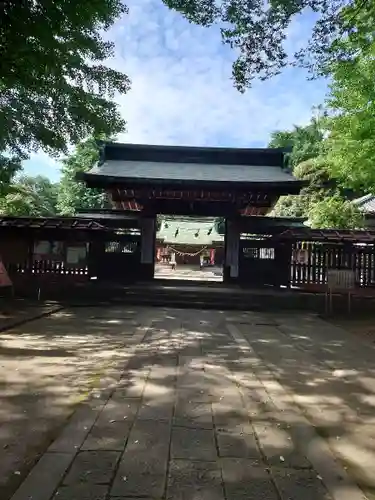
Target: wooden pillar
148, 233
232, 247
94, 258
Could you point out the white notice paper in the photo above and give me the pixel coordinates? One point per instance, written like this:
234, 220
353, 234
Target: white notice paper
73, 255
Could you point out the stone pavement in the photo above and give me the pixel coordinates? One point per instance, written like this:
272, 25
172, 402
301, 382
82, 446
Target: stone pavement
189, 273
14, 312
49, 365
213, 406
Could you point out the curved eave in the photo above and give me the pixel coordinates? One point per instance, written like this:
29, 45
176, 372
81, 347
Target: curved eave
105, 182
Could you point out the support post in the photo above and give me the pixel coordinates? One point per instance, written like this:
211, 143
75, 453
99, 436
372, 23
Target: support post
148, 233
232, 247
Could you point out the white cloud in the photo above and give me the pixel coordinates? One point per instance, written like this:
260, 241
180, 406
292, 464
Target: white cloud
182, 91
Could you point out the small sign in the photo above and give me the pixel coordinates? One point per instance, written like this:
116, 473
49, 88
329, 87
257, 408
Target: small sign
301, 256
340, 279
42, 250
74, 255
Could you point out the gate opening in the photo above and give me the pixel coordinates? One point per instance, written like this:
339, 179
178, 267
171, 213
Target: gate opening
189, 249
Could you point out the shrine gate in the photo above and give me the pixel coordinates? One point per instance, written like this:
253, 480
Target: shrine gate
116, 246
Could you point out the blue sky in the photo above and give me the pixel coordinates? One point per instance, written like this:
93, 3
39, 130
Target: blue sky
182, 91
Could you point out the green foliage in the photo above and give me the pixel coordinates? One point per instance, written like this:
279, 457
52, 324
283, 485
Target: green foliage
350, 144
257, 30
304, 143
55, 89
74, 196
9, 166
307, 164
292, 206
322, 201
30, 196
335, 212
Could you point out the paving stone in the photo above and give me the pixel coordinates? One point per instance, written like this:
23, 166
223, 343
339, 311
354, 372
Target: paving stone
162, 410
94, 467
198, 480
147, 448
237, 441
112, 427
76, 430
193, 444
119, 409
244, 479
191, 362
165, 378
44, 477
132, 388
296, 484
227, 415
139, 485
158, 358
155, 389
193, 414
143, 467
277, 445
163, 374
81, 492
191, 379
257, 402
109, 436
197, 395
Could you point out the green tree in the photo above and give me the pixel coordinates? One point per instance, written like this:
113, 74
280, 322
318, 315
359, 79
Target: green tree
257, 31
304, 142
74, 196
306, 161
55, 88
335, 212
32, 196
351, 126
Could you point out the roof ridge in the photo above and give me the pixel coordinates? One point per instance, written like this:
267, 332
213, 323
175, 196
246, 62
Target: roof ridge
364, 198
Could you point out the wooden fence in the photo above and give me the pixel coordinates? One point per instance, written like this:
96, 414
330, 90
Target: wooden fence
311, 260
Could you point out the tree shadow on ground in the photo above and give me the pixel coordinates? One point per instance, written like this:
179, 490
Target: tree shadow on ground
230, 434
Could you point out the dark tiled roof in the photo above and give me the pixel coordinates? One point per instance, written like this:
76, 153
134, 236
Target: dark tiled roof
366, 204
141, 164
200, 172
189, 154
106, 216
50, 223
329, 235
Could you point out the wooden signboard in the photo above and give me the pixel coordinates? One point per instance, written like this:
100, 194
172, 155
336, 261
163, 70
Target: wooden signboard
339, 280
301, 256
49, 250
76, 255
